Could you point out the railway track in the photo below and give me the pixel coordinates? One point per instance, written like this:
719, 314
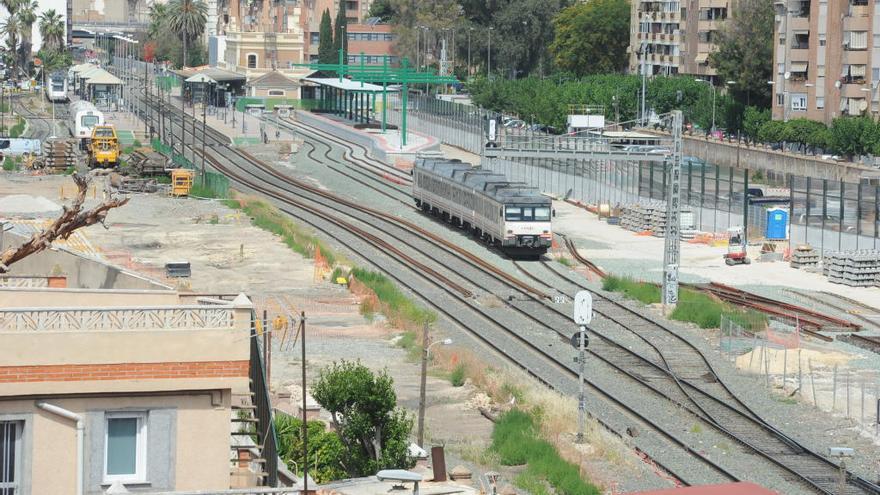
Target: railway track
849, 307
704, 402
41, 125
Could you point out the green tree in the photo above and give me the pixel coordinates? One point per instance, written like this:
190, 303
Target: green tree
753, 119
523, 31
55, 59
745, 51
592, 37
187, 19
326, 54
158, 20
325, 448
364, 412
848, 135
26, 11
340, 33
52, 30
11, 28
383, 9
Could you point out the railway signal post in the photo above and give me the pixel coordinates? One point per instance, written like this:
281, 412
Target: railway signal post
583, 315
672, 235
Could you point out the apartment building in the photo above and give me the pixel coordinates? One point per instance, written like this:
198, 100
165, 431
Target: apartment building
826, 59
356, 11
131, 386
675, 37
372, 40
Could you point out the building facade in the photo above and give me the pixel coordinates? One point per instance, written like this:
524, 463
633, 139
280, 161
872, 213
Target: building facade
826, 59
675, 37
356, 11
130, 386
374, 41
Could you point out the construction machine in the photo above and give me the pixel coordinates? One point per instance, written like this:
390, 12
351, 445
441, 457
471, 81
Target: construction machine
736, 247
104, 147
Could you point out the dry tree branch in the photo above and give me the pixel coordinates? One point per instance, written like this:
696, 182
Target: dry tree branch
71, 219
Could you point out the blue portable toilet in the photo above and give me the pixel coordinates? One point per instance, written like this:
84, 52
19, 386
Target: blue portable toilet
777, 224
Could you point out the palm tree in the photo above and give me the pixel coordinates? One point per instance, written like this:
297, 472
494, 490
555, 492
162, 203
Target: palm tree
26, 12
158, 19
11, 29
187, 18
52, 30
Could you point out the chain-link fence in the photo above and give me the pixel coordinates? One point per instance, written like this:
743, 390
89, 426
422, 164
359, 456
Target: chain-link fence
828, 214
795, 370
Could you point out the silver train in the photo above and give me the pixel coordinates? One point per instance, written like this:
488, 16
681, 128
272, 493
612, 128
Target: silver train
56, 87
511, 216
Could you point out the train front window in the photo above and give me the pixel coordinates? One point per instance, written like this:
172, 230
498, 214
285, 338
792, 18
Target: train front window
527, 213
89, 120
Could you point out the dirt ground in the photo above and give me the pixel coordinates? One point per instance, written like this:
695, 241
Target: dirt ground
229, 256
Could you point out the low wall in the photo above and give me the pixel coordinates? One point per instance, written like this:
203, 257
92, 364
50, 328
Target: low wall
758, 157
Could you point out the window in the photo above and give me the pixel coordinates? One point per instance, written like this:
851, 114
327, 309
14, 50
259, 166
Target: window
821, 39
780, 99
252, 61
314, 37
855, 40
798, 102
780, 68
820, 71
820, 102
125, 447
276, 92
527, 213
10, 457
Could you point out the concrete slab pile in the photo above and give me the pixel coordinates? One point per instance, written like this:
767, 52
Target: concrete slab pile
853, 268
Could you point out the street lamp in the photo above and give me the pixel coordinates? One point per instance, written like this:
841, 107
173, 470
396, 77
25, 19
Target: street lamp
489, 56
426, 349
470, 30
713, 100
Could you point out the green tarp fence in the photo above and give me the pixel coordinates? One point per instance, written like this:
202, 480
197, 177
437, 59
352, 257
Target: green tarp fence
210, 184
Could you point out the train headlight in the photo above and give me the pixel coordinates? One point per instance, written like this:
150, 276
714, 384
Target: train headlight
509, 231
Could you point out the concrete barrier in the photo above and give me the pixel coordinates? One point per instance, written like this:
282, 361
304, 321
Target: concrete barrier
740, 156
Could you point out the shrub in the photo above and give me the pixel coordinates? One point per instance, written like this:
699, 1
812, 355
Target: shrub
706, 312
645, 292
456, 377
515, 439
9, 164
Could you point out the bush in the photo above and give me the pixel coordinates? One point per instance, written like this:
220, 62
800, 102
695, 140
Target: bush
645, 292
18, 128
393, 299
516, 441
136, 143
456, 377
9, 164
705, 311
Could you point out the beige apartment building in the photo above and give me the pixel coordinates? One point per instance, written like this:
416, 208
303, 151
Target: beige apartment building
826, 59
135, 386
675, 37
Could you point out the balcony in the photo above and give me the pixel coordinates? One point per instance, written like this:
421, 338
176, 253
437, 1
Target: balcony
800, 55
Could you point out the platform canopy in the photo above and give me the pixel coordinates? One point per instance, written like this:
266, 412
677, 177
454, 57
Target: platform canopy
346, 84
101, 76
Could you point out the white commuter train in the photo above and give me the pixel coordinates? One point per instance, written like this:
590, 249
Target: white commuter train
56, 87
512, 216
84, 118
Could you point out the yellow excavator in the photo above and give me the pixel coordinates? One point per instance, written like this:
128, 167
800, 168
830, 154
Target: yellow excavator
104, 147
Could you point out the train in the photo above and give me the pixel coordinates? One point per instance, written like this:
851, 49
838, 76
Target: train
56, 88
511, 216
84, 117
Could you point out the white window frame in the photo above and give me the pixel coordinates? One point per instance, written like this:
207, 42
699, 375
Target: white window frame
820, 102
799, 97
140, 475
18, 431
247, 60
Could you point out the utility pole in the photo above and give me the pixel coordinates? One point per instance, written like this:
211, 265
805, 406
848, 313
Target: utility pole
422, 386
305, 429
671, 248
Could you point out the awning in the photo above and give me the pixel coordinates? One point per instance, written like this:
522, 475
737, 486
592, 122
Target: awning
201, 78
798, 66
701, 58
102, 77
